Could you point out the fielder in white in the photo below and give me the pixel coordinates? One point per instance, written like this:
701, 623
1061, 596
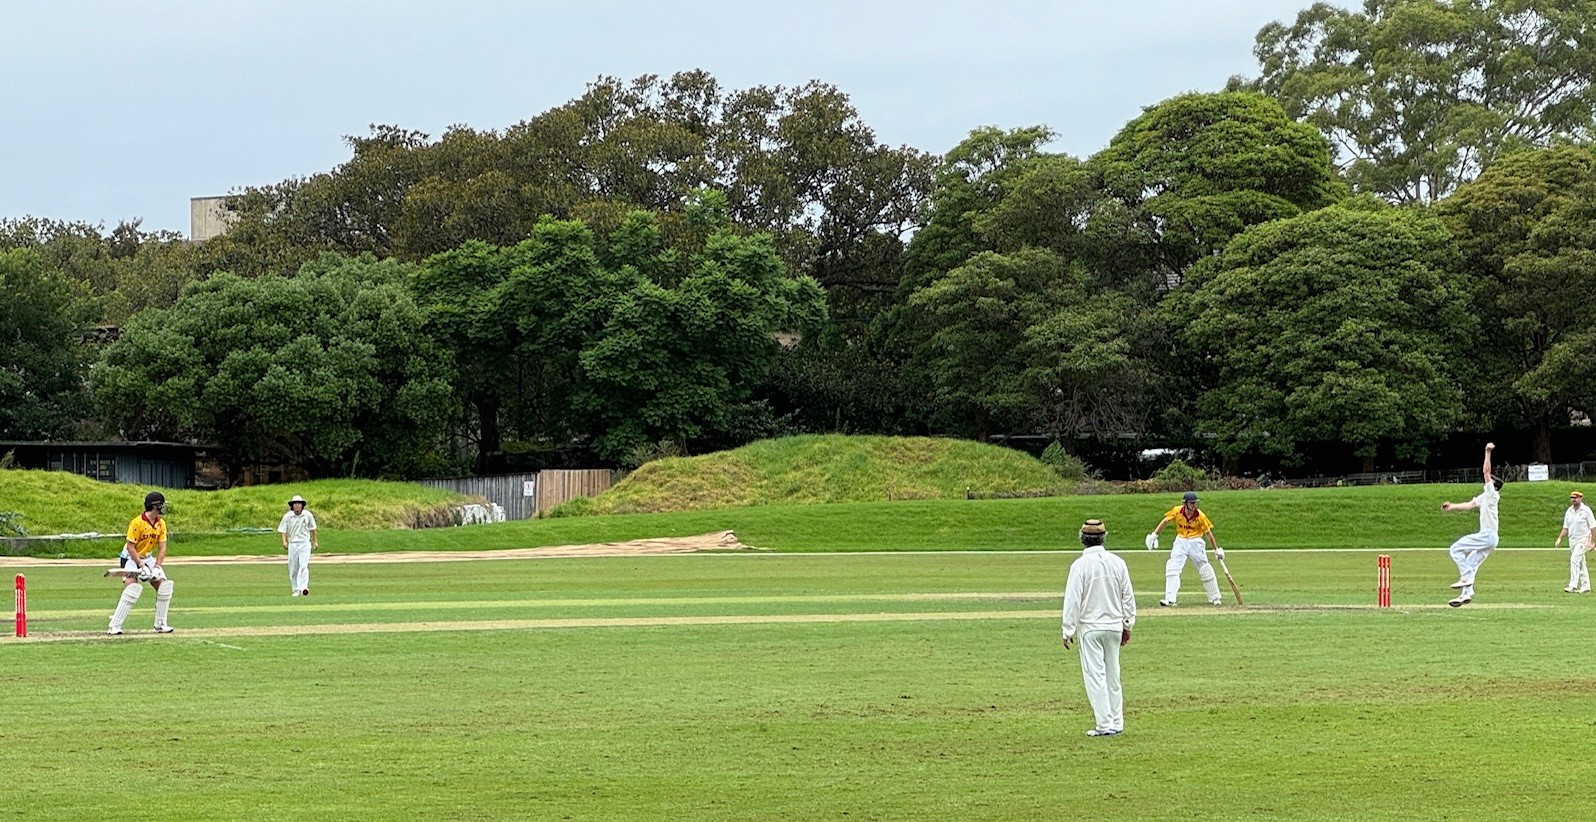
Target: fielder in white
298, 530
1470, 551
1578, 522
1100, 608
1191, 526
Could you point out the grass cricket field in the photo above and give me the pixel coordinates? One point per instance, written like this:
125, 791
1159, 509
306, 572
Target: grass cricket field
800, 686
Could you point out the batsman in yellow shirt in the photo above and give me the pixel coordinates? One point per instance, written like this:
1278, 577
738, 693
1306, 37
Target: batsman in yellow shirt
143, 559
1191, 526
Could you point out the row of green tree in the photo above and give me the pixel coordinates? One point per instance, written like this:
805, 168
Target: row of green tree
1382, 239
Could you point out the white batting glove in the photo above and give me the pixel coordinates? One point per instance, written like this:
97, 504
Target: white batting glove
1219, 552
1151, 542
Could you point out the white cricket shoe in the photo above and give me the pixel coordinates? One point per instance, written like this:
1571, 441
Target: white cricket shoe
1460, 602
1570, 590
1462, 583
163, 629
113, 632
1167, 603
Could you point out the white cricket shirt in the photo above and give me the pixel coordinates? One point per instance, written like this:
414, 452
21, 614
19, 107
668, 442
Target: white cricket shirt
1098, 595
1579, 523
1487, 500
297, 528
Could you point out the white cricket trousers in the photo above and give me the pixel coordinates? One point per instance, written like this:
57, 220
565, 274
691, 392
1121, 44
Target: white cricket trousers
1100, 671
299, 566
1468, 554
1189, 548
1578, 573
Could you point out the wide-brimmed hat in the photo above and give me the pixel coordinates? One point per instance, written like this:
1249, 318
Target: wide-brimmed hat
1573, 494
1093, 526
295, 498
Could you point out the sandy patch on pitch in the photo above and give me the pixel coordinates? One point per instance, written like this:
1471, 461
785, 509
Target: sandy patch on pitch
717, 541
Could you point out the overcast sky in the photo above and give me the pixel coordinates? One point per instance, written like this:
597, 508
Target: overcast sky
121, 110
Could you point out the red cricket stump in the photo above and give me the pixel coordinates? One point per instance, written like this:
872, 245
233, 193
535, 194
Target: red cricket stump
22, 605
1383, 592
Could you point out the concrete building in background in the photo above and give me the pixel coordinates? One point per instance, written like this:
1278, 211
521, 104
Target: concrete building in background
207, 217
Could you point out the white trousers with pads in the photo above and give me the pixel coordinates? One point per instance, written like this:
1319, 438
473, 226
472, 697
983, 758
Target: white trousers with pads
1189, 548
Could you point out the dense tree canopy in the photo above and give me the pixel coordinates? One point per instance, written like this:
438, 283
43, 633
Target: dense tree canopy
121, 271
1527, 232
42, 354
1419, 95
330, 370
627, 341
1333, 326
796, 163
1195, 170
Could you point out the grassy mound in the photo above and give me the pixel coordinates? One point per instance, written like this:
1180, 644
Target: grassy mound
56, 502
821, 469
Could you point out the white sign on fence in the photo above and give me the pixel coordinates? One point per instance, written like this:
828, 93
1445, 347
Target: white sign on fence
529, 488
1539, 472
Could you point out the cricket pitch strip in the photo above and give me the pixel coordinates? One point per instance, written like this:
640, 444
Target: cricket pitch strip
433, 626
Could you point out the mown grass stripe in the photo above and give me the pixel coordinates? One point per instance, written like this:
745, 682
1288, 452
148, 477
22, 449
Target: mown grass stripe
725, 619
458, 605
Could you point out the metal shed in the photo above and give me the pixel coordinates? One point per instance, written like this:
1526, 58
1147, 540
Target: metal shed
161, 464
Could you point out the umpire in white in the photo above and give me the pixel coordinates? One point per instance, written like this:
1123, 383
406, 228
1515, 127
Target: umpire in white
1100, 610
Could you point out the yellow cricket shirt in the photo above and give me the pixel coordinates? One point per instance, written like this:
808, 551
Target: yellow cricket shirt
144, 536
1189, 528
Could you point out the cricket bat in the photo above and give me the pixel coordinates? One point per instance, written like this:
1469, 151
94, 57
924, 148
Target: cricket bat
1232, 580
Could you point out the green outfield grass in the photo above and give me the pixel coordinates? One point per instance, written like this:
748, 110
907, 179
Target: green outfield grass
907, 686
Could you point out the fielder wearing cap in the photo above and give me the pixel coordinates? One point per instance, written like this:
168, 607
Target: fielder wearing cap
1578, 523
1100, 609
1191, 525
143, 559
298, 531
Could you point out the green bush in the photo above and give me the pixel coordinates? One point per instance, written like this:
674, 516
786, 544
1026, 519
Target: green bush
1067, 465
649, 451
1178, 476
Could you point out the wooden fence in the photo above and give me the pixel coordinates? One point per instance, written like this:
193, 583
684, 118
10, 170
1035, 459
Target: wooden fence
557, 487
524, 496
